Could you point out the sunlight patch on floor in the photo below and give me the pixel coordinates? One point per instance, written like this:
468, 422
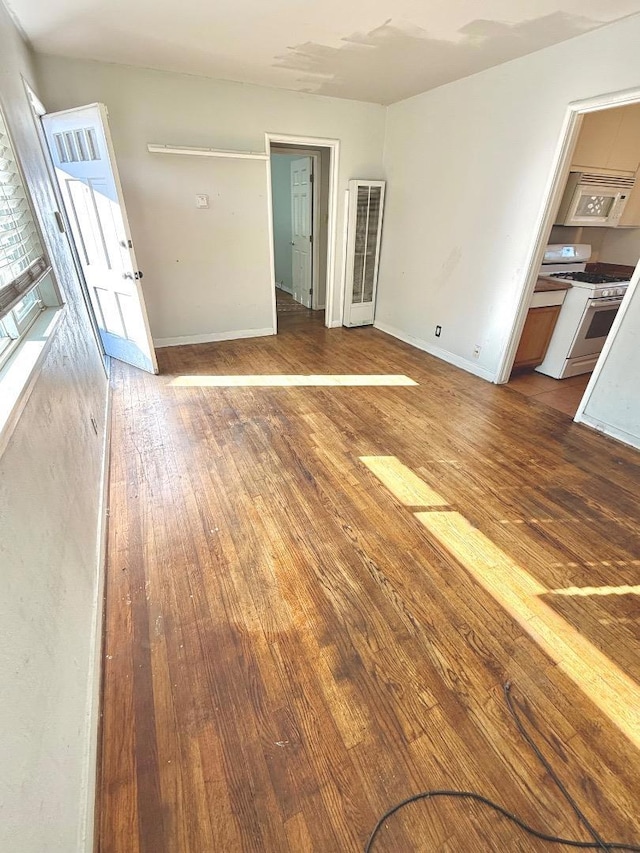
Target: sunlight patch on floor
608, 687
283, 380
401, 481
597, 590
520, 594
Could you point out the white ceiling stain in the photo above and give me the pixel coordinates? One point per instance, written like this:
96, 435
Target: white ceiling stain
413, 62
373, 50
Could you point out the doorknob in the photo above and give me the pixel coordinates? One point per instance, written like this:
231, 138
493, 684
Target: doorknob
292, 243
127, 275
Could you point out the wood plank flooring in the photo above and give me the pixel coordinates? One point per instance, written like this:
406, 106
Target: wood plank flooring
316, 592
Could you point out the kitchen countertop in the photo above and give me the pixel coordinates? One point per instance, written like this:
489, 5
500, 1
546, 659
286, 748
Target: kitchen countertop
546, 283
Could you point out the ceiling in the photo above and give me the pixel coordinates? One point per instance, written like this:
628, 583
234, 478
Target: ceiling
372, 50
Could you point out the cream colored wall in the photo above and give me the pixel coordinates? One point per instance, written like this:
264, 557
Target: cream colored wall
50, 478
621, 246
206, 273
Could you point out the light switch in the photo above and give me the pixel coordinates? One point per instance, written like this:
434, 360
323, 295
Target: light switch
202, 201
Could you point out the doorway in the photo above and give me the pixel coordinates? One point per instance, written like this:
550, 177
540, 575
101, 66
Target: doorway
584, 263
303, 174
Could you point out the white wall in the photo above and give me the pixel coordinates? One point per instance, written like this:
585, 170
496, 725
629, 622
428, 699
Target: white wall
50, 477
467, 167
206, 273
614, 403
281, 195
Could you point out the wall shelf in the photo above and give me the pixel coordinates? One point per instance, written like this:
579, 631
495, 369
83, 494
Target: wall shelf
206, 152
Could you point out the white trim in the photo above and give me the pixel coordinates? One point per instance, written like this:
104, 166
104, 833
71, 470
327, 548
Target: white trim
551, 200
334, 170
611, 431
272, 251
18, 376
212, 337
442, 354
154, 148
96, 649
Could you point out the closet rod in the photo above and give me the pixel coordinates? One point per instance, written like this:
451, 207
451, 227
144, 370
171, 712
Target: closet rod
206, 152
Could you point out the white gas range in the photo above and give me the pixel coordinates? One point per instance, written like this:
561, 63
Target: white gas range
587, 312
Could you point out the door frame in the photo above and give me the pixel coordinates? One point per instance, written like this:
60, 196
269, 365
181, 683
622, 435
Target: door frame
315, 213
333, 145
37, 111
552, 197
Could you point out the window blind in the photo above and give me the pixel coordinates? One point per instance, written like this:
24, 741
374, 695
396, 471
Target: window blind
22, 258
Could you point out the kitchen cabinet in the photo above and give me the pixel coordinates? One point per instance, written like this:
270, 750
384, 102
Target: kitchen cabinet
609, 140
536, 335
631, 214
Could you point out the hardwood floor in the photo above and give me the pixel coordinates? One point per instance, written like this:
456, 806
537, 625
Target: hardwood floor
293, 315
316, 591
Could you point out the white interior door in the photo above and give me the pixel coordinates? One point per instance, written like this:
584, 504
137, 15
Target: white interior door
302, 229
85, 166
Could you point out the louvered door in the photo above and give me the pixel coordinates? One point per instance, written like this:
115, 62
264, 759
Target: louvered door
366, 203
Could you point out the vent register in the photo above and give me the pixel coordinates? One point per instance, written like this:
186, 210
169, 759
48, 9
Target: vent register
596, 180
366, 203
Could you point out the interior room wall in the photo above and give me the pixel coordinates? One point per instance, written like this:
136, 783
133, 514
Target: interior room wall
621, 246
594, 237
468, 167
281, 197
206, 272
50, 487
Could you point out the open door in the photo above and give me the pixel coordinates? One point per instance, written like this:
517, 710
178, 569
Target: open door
364, 230
302, 229
85, 166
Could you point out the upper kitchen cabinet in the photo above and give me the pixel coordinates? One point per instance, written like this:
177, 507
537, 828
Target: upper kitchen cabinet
609, 140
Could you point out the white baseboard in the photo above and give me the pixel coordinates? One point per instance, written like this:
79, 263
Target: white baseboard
212, 337
89, 782
611, 431
442, 354
334, 324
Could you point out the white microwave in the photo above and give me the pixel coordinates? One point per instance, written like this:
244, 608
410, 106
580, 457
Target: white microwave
593, 199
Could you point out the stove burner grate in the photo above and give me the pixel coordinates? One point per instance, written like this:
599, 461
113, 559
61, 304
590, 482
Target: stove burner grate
590, 277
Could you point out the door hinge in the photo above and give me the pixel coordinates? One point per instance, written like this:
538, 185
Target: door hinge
59, 221
311, 178
311, 238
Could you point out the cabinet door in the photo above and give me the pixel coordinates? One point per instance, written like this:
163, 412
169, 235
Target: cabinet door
596, 139
631, 214
536, 335
625, 151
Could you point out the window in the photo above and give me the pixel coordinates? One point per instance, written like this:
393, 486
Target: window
23, 263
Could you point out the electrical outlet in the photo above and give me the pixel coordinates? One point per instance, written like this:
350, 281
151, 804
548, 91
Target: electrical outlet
476, 351
438, 331
202, 201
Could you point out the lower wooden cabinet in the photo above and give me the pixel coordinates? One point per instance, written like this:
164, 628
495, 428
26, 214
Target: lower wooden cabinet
536, 336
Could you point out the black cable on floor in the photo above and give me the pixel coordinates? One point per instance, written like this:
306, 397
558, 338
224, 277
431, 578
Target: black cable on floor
597, 843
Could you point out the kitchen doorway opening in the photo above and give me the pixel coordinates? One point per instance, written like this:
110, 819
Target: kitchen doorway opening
584, 265
302, 184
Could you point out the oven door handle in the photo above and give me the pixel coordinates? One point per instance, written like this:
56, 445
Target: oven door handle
605, 303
